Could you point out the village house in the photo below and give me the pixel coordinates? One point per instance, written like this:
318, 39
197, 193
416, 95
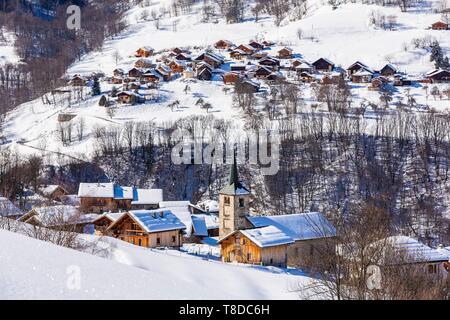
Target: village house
378, 83
262, 72
116, 80
248, 86
164, 71
237, 54
259, 55
177, 66
323, 65
439, 26
152, 76
285, 53
223, 45
204, 225
275, 77
118, 72
268, 43
126, 97
270, 62
230, 77
439, 76
188, 73
78, 81
247, 49
54, 192
362, 76
357, 66
104, 221
135, 73
8, 209
204, 72
239, 68
213, 59
256, 45
148, 228
144, 52
105, 197
144, 63
183, 56
280, 240
388, 70
306, 77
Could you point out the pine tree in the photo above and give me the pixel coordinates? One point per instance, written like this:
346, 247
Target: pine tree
96, 87
436, 55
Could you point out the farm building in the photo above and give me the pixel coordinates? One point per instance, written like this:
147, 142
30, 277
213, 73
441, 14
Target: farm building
439, 26
439, 76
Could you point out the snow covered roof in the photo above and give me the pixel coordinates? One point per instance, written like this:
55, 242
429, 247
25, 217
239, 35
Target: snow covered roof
147, 196
209, 205
7, 208
414, 250
267, 236
58, 215
363, 72
155, 220
444, 251
96, 190
181, 210
112, 216
48, 190
302, 226
123, 192
211, 220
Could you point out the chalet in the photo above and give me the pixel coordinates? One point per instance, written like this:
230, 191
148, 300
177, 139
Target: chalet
135, 73
183, 57
285, 53
323, 65
247, 49
378, 83
237, 54
362, 76
205, 225
213, 59
248, 86
388, 70
176, 51
8, 209
439, 26
188, 73
439, 76
256, 45
230, 77
275, 77
126, 97
238, 68
148, 228
177, 66
204, 74
269, 62
54, 192
104, 221
278, 240
357, 66
116, 80
262, 72
61, 216
104, 197
164, 71
400, 80
223, 45
259, 55
132, 86
306, 77
144, 52
78, 81
303, 66
144, 63
268, 43
152, 76
118, 72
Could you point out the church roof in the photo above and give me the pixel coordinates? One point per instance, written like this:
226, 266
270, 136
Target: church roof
234, 187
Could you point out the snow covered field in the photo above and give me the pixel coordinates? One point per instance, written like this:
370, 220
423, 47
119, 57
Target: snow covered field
343, 35
33, 269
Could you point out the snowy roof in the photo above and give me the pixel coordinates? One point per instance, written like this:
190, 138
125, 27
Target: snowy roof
414, 250
212, 221
199, 225
209, 205
155, 220
267, 236
444, 251
123, 192
147, 196
48, 190
363, 72
302, 226
181, 210
7, 208
112, 216
97, 190
58, 215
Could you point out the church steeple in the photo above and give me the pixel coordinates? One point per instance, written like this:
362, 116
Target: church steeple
234, 187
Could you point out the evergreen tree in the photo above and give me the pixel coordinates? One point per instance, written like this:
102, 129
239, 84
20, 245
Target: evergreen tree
114, 92
96, 87
436, 55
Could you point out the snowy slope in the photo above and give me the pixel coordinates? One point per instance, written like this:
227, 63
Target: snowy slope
32, 269
7, 51
343, 35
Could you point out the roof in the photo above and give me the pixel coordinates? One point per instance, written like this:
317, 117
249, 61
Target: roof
147, 196
123, 193
324, 59
363, 72
302, 226
211, 220
414, 250
181, 210
199, 225
153, 220
58, 215
96, 190
112, 216
234, 187
48, 190
7, 208
267, 236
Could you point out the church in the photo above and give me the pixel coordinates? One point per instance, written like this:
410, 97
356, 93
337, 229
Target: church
275, 240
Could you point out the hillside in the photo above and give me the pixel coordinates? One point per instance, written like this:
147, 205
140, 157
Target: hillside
33, 269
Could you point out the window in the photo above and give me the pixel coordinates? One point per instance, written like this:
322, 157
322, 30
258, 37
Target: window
249, 256
311, 250
243, 241
227, 201
173, 239
271, 260
432, 268
241, 202
140, 242
158, 241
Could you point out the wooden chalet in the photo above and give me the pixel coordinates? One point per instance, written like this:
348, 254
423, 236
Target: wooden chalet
106, 197
118, 72
439, 26
306, 77
78, 81
213, 59
237, 54
260, 55
256, 45
247, 49
144, 52
268, 43
152, 76
126, 97
176, 51
270, 62
54, 192
249, 86
135, 73
144, 63
439, 76
302, 66
204, 74
183, 56
177, 66
275, 77
230, 77
388, 70
116, 80
378, 83
241, 68
148, 228
357, 66
262, 72
223, 45
323, 65
104, 221
285, 53
188, 73
164, 71
362, 76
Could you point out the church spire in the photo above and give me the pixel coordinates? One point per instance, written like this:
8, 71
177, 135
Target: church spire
234, 186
